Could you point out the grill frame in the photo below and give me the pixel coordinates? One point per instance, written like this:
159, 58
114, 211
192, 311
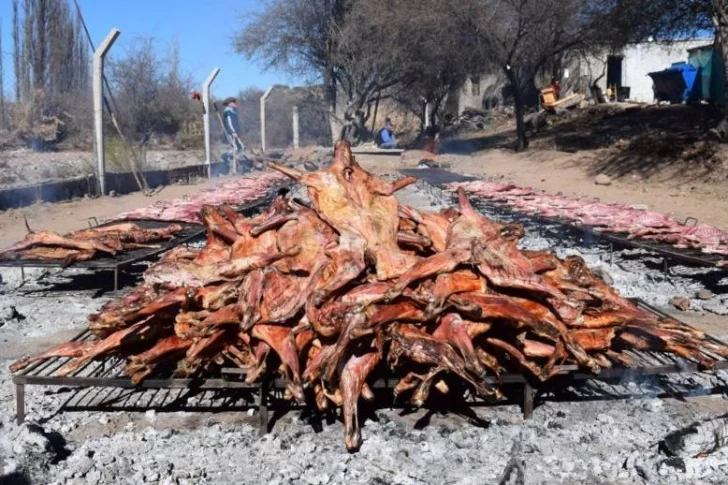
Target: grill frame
108, 373
124, 258
121, 260
116, 263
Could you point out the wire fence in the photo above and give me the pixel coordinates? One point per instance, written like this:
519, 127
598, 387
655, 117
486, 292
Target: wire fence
313, 127
163, 130
39, 148
151, 123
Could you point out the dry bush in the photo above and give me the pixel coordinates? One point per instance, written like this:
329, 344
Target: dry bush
152, 96
191, 136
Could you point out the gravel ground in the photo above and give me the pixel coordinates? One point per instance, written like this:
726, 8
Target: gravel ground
596, 433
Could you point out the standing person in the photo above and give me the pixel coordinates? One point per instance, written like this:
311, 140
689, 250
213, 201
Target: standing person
556, 87
386, 136
232, 124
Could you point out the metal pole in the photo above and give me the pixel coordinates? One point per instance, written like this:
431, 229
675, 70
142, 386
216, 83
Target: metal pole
295, 127
527, 401
98, 92
262, 117
19, 403
206, 117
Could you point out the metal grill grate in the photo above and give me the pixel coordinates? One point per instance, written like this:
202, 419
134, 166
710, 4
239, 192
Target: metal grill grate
123, 258
109, 373
441, 178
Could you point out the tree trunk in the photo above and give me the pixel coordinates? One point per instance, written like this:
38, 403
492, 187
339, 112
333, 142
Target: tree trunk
522, 142
16, 50
335, 122
360, 126
437, 105
374, 119
26, 56
720, 20
40, 61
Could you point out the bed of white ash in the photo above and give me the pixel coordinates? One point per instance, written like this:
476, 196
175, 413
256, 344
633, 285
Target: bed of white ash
594, 433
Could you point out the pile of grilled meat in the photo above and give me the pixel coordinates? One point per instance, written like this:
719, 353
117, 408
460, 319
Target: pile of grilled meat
329, 295
87, 244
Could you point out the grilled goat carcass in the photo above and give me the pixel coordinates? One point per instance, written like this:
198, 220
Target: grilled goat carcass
87, 243
358, 206
327, 295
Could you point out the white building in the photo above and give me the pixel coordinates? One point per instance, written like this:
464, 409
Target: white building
628, 67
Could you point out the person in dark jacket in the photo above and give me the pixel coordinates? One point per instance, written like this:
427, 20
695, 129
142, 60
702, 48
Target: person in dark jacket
232, 124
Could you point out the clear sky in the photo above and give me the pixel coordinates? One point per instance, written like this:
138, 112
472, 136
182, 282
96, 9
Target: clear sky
204, 31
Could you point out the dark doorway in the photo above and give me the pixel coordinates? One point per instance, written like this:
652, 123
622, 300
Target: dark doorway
614, 71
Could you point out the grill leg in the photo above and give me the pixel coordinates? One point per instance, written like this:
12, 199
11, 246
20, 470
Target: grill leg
116, 279
20, 403
263, 408
527, 401
22, 273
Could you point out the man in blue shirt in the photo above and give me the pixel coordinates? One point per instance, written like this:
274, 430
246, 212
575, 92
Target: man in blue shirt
386, 136
232, 125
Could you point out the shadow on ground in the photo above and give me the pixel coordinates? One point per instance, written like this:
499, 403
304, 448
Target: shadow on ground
648, 141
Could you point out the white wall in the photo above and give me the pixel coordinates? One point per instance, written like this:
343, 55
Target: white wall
641, 59
491, 86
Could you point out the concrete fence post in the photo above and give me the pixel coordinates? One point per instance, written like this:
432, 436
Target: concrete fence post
98, 93
295, 127
262, 117
206, 118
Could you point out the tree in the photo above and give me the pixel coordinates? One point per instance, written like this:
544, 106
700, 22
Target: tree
363, 51
39, 47
50, 57
152, 99
387, 49
521, 37
301, 37
438, 54
16, 50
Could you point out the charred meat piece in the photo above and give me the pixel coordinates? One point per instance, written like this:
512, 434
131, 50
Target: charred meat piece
410, 342
353, 379
66, 349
